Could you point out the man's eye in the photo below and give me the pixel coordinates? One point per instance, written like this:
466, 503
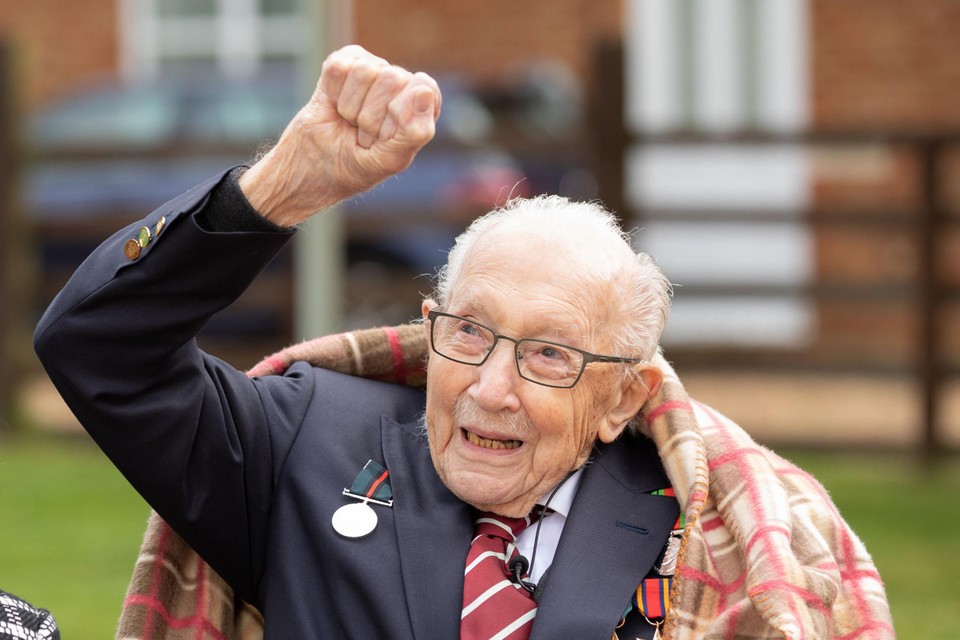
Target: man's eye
469, 329
551, 353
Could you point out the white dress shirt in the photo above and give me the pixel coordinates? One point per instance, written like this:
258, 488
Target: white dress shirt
550, 527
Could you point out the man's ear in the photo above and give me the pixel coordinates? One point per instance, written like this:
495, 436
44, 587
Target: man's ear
427, 306
634, 393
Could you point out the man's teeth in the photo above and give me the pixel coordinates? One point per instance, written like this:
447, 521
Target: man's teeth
492, 444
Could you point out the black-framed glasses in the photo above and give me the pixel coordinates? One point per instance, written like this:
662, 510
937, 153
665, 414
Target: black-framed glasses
548, 363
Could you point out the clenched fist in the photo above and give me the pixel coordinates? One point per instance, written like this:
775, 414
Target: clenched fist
365, 122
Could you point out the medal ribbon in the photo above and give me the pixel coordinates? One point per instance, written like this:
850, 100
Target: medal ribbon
668, 491
373, 482
652, 597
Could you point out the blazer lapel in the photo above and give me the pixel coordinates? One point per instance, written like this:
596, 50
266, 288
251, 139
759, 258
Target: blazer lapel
434, 528
612, 537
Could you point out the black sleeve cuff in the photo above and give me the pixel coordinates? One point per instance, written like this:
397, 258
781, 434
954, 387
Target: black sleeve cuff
228, 210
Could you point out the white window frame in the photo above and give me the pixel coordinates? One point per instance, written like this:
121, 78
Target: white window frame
237, 37
717, 65
722, 66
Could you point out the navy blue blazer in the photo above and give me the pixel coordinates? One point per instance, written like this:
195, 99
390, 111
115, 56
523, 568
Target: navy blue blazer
250, 472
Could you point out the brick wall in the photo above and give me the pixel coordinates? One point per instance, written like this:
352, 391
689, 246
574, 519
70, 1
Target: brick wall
881, 66
487, 40
884, 188
60, 45
63, 45
886, 63
874, 63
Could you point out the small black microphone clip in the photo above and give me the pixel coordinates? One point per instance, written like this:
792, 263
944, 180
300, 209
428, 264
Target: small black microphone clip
518, 567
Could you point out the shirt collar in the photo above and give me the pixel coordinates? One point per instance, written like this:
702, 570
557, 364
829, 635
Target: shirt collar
563, 498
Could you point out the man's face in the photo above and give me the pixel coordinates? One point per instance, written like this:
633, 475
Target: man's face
500, 442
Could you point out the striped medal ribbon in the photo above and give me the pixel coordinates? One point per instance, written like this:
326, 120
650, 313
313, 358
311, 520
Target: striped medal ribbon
652, 597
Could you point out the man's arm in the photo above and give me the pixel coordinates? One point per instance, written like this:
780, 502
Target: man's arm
197, 438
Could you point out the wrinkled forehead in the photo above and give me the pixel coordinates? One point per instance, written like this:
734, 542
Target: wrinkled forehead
551, 251
528, 264
540, 255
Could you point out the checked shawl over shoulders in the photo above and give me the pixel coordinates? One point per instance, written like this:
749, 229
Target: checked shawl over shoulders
765, 553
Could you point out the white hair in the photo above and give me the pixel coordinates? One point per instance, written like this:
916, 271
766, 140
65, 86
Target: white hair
633, 278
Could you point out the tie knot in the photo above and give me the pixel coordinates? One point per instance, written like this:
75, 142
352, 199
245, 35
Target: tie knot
491, 524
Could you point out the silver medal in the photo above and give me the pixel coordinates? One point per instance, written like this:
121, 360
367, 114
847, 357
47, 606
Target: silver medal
355, 520
669, 564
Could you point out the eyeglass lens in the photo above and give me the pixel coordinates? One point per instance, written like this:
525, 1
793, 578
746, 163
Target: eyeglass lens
538, 361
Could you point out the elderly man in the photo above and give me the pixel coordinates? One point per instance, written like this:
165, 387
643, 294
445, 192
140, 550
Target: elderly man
535, 490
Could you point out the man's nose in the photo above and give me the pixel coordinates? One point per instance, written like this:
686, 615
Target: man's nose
497, 380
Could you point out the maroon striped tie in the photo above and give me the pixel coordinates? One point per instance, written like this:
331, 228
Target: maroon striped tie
494, 608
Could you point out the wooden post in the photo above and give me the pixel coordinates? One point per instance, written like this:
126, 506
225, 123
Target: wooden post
8, 249
931, 299
17, 266
608, 128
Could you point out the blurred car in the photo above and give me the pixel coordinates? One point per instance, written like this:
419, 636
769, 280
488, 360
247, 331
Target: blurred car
124, 149
114, 152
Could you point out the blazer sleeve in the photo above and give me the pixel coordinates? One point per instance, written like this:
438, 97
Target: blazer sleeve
198, 439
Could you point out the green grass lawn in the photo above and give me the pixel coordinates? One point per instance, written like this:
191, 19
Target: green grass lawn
70, 528
908, 515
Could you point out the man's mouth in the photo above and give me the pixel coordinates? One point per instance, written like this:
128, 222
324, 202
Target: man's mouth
491, 443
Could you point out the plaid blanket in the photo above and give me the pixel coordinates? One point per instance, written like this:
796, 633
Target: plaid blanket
764, 554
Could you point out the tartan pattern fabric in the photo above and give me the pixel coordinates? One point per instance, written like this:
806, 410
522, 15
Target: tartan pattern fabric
494, 608
175, 595
21, 621
765, 553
